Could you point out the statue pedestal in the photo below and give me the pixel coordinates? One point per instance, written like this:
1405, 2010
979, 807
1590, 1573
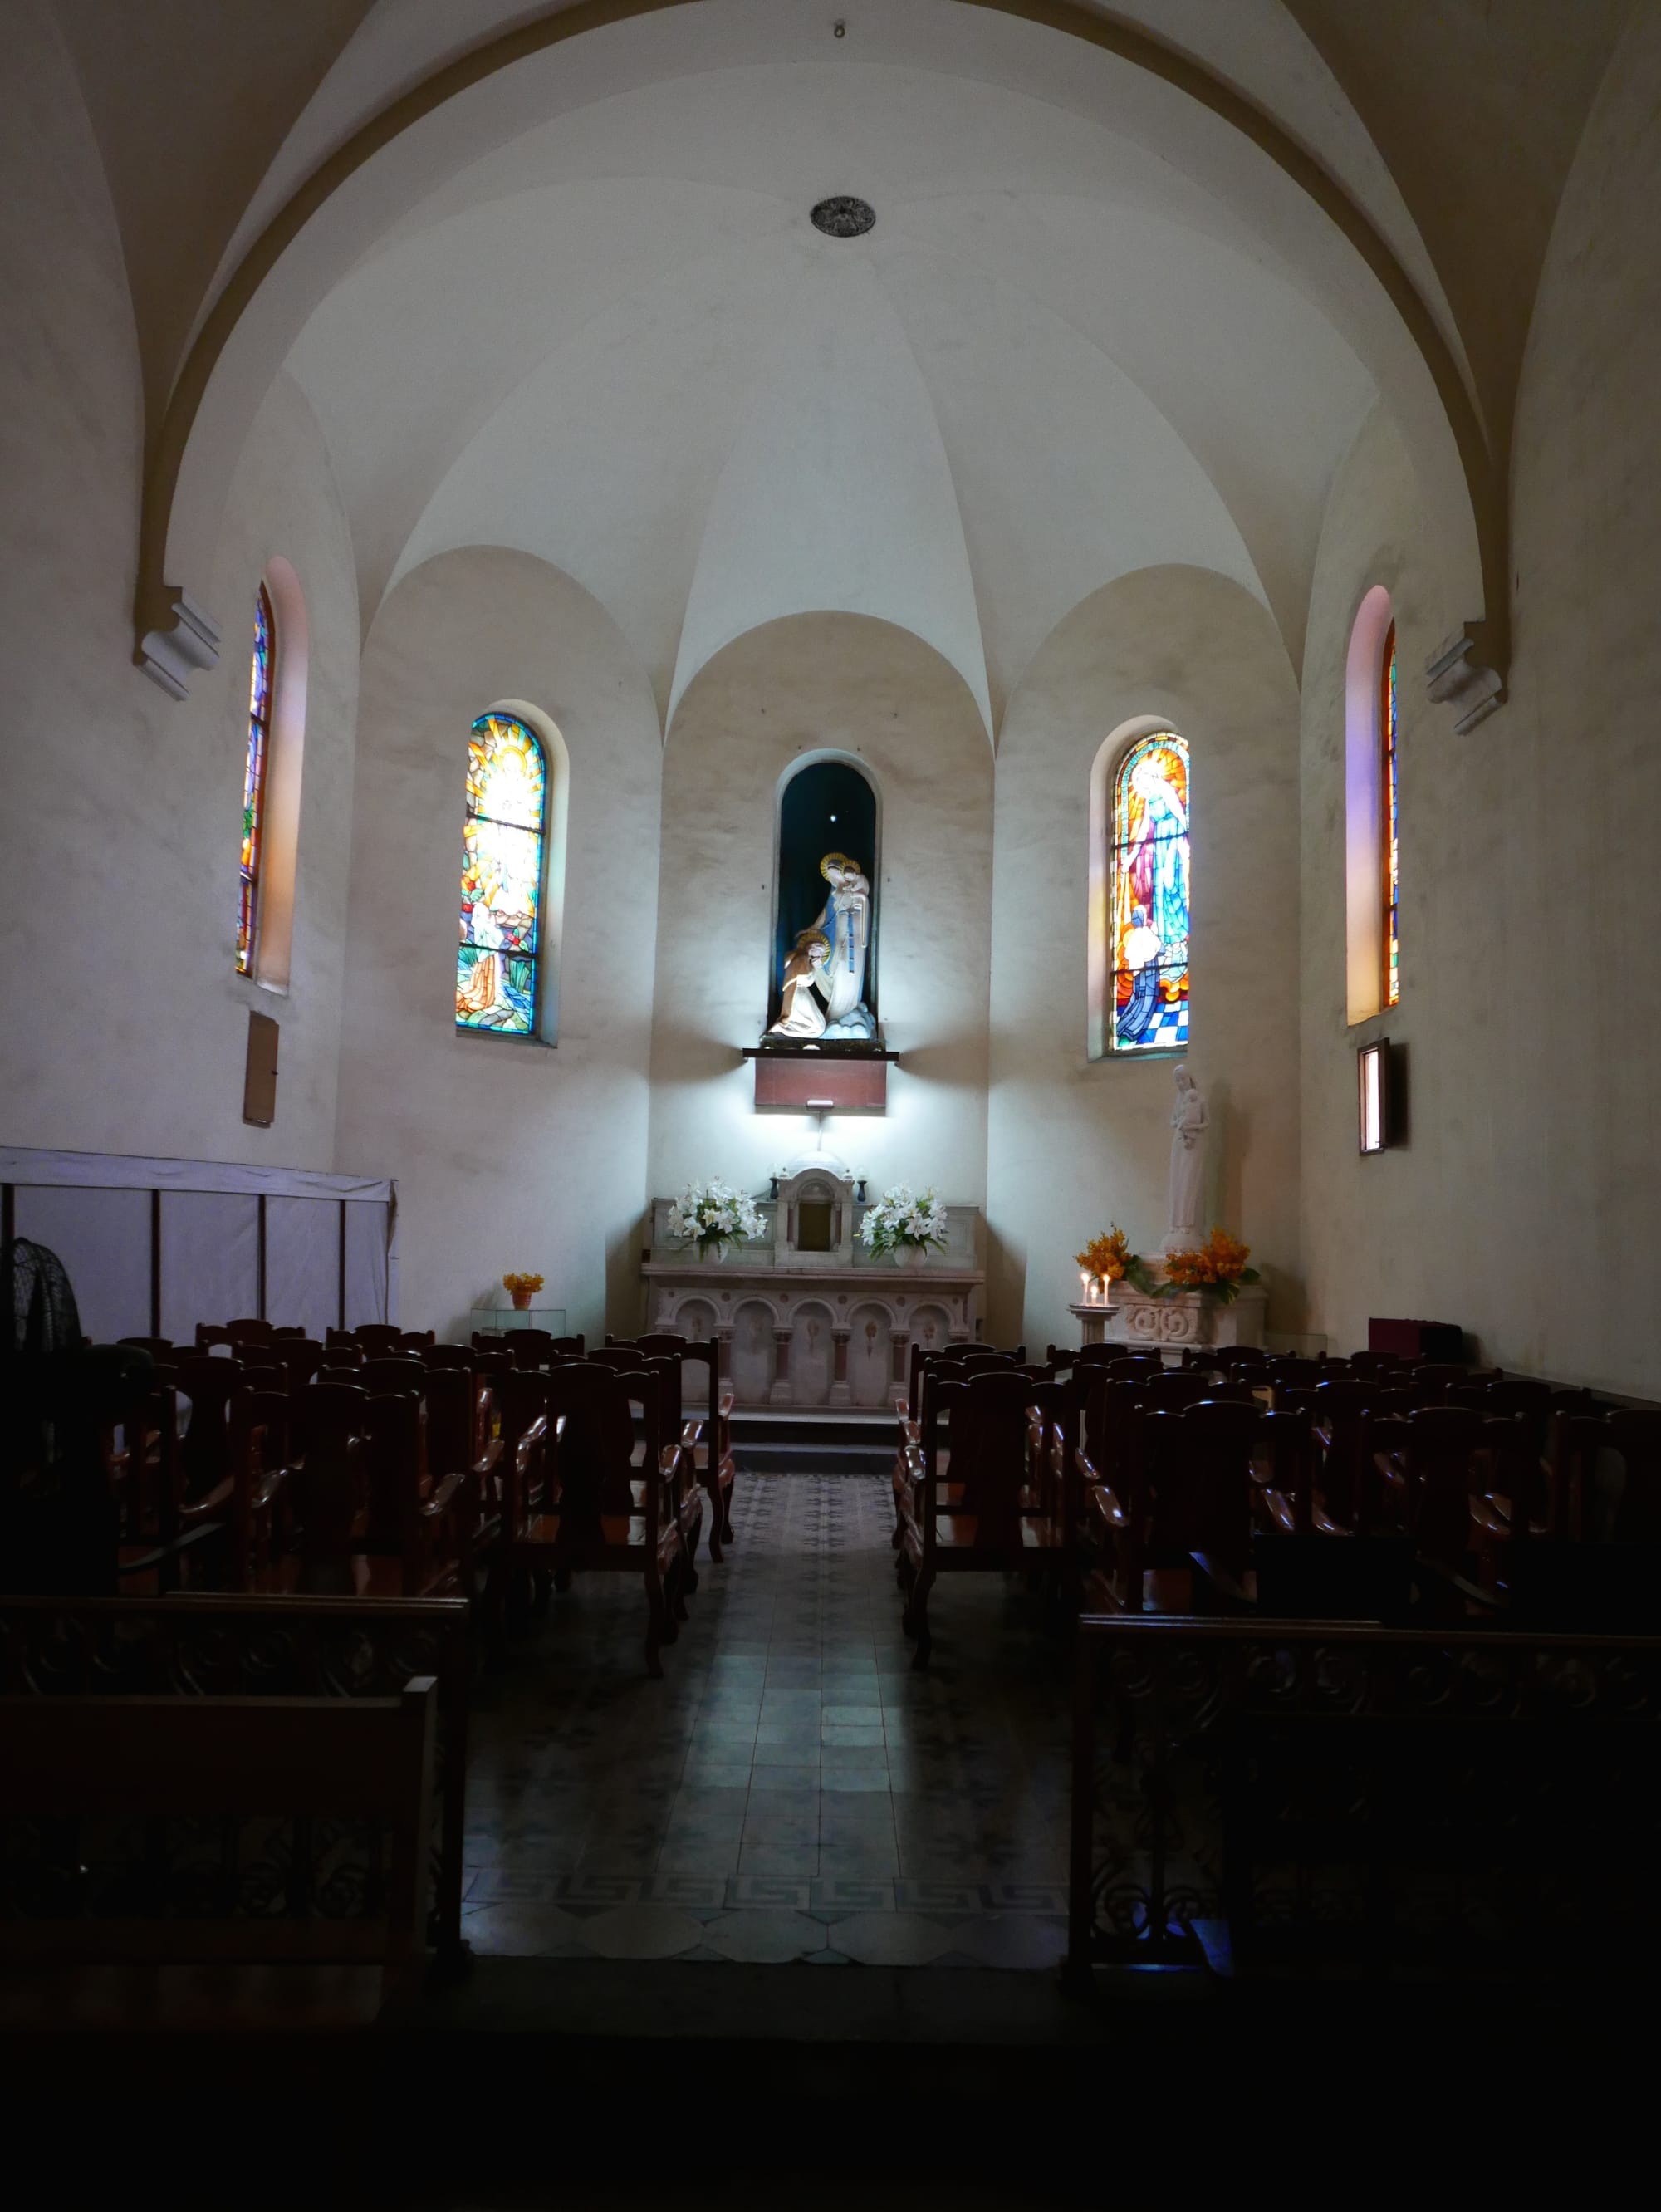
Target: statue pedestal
1183, 1318
1092, 1320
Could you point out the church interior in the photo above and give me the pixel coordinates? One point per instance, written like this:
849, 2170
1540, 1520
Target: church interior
839, 1160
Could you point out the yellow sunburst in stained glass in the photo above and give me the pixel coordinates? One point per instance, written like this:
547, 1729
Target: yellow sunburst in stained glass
496, 971
1149, 918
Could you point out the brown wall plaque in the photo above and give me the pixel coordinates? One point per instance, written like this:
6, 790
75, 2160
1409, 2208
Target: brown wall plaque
259, 1079
859, 1086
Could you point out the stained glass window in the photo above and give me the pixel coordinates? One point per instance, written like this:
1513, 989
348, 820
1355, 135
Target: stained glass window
253, 780
501, 883
1392, 980
1149, 918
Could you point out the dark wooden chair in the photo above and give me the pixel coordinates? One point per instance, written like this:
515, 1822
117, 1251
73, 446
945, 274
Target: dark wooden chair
452, 1357
377, 1336
1188, 1500
1441, 1466
676, 1436
393, 1370
617, 1503
299, 1356
460, 1435
249, 1331
705, 1437
1373, 1365
327, 1483
993, 1519
209, 1384
162, 1348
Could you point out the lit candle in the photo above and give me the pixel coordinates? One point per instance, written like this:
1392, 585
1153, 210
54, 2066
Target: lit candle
1083, 1287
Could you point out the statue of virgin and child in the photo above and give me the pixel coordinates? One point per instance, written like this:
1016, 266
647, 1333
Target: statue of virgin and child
822, 990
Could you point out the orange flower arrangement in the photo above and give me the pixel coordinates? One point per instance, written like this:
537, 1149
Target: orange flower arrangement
511, 1283
1217, 1265
1106, 1257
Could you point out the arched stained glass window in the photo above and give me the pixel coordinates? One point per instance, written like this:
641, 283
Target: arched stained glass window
1392, 977
253, 780
501, 886
1149, 905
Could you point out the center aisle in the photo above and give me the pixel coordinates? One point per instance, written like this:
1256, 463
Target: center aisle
791, 1790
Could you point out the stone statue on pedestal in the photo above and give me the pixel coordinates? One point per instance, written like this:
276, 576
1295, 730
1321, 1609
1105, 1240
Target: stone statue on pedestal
1189, 1123
828, 962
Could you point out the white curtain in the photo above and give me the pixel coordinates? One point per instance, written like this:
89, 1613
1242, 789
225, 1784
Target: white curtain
103, 1238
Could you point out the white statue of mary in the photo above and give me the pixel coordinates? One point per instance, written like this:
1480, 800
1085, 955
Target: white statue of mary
845, 920
1189, 1123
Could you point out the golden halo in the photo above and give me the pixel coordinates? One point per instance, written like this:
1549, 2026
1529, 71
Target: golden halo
837, 860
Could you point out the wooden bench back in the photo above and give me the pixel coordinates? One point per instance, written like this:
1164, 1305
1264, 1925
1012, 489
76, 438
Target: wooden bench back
230, 1760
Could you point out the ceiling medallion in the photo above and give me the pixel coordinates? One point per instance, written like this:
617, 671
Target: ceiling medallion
844, 216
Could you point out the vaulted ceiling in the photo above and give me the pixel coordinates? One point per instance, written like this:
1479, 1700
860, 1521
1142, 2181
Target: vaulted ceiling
577, 307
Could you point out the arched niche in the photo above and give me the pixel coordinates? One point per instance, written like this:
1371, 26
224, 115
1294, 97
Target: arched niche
828, 803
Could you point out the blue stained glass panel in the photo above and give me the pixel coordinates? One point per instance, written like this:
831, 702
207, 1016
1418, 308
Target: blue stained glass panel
1149, 916
253, 781
501, 883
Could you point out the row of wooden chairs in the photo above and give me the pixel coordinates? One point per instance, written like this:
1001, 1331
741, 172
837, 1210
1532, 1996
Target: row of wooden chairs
382, 1468
1114, 1480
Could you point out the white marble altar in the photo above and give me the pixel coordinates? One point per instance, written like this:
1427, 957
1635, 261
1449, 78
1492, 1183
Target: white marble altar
1181, 1317
819, 1324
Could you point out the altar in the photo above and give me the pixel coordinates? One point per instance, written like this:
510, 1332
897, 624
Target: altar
805, 1315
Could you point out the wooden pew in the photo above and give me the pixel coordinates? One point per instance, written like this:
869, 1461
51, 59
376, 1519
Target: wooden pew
1307, 1796
202, 1646
99, 1764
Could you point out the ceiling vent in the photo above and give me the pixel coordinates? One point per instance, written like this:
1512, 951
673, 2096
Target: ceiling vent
844, 216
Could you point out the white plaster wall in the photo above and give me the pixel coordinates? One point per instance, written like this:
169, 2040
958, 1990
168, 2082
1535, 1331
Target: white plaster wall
507, 1155
1526, 1204
125, 1024
848, 684
1073, 1144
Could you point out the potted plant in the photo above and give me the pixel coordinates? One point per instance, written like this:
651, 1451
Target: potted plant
521, 1289
905, 1229
712, 1215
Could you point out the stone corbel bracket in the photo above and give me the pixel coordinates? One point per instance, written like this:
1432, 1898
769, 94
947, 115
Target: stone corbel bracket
1457, 678
170, 656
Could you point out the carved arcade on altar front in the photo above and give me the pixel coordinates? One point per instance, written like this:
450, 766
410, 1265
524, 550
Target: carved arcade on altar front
805, 1317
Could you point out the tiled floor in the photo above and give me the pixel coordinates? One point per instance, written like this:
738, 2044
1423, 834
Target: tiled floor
792, 1789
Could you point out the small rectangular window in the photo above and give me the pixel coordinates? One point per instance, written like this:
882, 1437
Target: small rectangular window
1372, 1084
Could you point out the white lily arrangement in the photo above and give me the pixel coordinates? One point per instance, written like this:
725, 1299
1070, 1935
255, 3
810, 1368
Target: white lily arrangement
714, 1215
900, 1222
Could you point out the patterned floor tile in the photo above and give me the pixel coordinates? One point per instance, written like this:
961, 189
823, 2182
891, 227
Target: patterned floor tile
791, 1763
641, 1932
889, 1939
764, 1937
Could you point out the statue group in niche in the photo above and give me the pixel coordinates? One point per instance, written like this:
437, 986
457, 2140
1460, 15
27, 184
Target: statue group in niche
822, 990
